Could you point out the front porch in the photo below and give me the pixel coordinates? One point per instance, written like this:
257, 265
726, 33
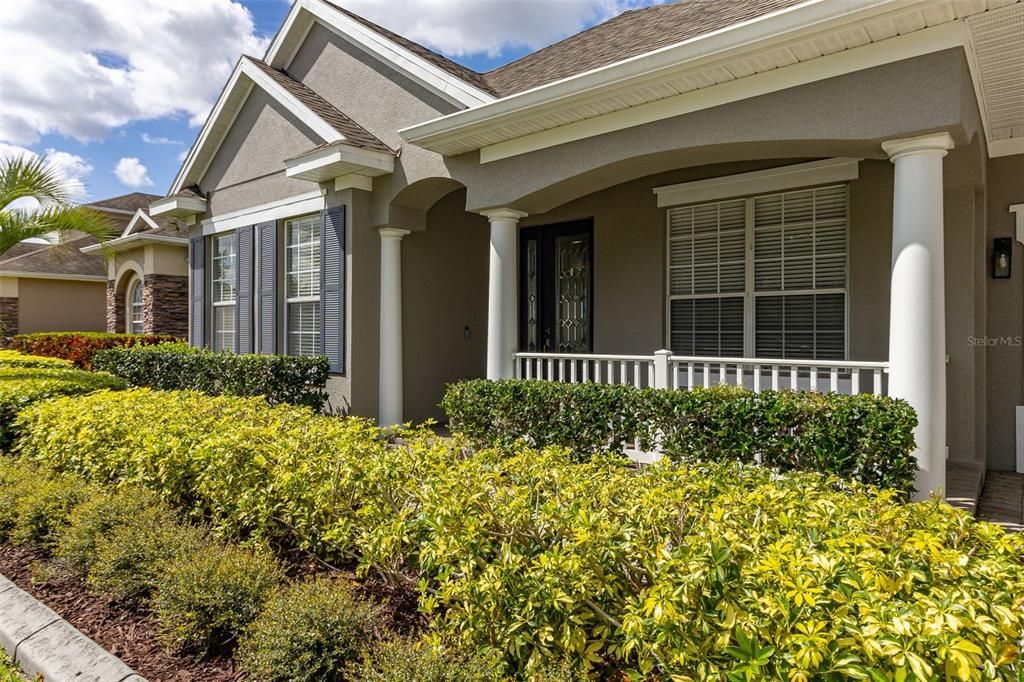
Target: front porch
824, 275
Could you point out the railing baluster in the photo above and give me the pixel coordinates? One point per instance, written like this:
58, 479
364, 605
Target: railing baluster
689, 375
794, 378
814, 378
586, 371
833, 380
739, 374
775, 377
622, 372
636, 373
757, 378
877, 383
854, 381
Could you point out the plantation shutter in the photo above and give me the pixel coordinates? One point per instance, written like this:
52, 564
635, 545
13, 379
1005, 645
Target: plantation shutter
332, 286
800, 264
197, 285
268, 287
707, 278
243, 299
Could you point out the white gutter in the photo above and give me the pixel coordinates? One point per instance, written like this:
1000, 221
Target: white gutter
789, 24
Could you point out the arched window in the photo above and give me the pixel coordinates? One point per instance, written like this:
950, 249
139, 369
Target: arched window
134, 307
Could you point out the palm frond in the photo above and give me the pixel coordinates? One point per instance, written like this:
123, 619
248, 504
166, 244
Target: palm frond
17, 226
25, 176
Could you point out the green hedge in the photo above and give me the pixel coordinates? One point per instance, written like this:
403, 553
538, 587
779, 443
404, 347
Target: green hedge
22, 386
683, 571
80, 347
863, 437
281, 379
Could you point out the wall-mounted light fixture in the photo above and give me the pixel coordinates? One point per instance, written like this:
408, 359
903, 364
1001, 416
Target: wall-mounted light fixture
1002, 253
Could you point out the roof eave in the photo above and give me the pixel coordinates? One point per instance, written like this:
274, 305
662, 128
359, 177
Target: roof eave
133, 241
178, 207
339, 159
752, 35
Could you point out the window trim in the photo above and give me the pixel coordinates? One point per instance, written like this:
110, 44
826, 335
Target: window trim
287, 301
749, 293
129, 306
213, 303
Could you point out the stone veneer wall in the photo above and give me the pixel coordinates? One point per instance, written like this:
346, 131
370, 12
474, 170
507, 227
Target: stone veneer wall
9, 315
115, 308
165, 304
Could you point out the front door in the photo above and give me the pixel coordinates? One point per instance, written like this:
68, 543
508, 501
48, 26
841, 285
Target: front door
556, 288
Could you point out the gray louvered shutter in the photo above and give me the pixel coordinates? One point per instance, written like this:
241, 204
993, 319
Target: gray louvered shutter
197, 286
332, 286
268, 287
243, 299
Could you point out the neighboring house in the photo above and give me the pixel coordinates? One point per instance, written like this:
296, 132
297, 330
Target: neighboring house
755, 186
146, 274
57, 287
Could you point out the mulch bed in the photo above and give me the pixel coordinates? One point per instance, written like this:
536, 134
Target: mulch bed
128, 633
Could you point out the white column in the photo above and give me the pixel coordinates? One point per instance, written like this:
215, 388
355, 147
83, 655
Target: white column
502, 301
390, 393
917, 307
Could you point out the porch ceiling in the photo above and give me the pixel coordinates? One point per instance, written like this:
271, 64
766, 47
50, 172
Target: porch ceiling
788, 48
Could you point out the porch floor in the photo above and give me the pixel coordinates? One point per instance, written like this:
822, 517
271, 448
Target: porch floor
1002, 500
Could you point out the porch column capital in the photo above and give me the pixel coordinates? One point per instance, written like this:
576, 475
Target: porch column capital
937, 143
501, 214
388, 232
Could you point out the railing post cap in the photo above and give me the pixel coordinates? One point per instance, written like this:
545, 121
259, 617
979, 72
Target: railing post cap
663, 352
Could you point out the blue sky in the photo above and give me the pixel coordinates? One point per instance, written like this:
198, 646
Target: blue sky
114, 91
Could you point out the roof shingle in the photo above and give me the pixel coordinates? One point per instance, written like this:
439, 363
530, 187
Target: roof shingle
58, 259
126, 202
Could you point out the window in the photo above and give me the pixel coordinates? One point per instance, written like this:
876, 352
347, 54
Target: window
224, 280
302, 285
135, 314
761, 276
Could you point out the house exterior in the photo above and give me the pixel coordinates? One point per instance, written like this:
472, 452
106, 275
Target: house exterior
808, 194
61, 287
145, 272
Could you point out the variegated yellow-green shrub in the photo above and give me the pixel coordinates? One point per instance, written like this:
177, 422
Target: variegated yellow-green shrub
23, 385
703, 572
12, 358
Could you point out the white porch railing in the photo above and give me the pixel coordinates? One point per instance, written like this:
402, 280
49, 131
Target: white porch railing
665, 370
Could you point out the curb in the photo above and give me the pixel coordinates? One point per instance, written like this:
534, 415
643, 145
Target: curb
40, 642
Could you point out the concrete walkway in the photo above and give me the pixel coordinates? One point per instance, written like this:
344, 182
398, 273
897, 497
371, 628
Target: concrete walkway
1002, 500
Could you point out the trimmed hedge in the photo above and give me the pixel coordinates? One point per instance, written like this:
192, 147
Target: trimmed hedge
864, 437
80, 347
683, 571
22, 386
177, 366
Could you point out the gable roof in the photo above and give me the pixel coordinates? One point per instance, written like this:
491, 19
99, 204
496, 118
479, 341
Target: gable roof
324, 119
63, 260
458, 70
126, 202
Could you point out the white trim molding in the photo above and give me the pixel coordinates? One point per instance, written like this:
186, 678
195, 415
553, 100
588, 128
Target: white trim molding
132, 241
937, 142
435, 79
353, 181
290, 207
178, 207
336, 159
140, 215
1018, 211
50, 275
821, 172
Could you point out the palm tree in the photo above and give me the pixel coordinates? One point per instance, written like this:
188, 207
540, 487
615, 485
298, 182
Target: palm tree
22, 177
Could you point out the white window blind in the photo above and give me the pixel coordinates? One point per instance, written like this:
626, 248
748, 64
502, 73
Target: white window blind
302, 285
223, 284
760, 276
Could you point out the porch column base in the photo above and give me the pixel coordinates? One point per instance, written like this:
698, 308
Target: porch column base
917, 308
389, 411
502, 301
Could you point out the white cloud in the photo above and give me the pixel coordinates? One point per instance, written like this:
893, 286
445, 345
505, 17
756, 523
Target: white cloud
84, 68
132, 173
182, 155
461, 27
149, 139
71, 168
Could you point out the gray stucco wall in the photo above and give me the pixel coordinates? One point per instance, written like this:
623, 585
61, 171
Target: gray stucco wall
1005, 314
381, 100
444, 299
248, 169
842, 116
